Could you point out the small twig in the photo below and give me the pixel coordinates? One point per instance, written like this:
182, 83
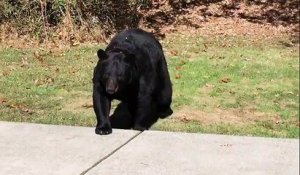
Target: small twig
44, 13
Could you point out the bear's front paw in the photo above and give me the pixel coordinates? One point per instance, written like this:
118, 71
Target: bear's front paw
103, 130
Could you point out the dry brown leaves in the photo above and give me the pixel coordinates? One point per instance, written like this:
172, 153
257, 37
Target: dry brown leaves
21, 107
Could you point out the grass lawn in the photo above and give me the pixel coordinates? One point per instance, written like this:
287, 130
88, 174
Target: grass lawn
225, 85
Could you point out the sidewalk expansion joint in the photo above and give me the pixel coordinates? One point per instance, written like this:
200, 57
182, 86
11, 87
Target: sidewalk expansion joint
110, 154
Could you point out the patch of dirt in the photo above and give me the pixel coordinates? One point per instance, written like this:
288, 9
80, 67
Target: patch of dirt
84, 104
187, 114
80, 104
231, 116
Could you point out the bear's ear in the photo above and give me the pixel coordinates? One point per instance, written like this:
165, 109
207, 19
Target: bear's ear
101, 54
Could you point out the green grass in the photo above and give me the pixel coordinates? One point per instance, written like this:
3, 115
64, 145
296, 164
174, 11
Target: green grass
45, 89
261, 76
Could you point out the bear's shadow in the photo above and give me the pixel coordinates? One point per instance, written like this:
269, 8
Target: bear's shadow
121, 118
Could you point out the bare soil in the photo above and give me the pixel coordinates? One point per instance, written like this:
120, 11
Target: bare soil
238, 117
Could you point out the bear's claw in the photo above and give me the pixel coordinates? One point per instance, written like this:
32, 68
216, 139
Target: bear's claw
103, 130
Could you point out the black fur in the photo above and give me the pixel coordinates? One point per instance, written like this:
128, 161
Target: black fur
132, 69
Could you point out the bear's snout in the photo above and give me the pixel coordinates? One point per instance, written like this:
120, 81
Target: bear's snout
111, 86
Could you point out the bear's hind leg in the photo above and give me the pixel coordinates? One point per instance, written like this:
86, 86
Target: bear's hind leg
147, 119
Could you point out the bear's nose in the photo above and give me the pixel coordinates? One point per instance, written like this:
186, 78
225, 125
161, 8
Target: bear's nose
111, 87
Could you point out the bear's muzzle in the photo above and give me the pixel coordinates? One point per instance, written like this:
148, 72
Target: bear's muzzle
111, 86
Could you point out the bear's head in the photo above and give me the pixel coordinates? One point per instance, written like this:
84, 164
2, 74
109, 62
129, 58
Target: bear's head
116, 69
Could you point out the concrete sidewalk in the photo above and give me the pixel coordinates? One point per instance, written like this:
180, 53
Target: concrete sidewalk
48, 149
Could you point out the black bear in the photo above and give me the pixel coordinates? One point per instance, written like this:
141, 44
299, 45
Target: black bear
132, 69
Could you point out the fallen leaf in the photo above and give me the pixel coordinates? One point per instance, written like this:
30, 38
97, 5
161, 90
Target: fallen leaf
185, 119
28, 111
47, 80
72, 71
209, 85
15, 106
50, 80
20, 107
178, 67
183, 62
75, 43
174, 52
38, 57
225, 80
87, 105
5, 72
37, 82
3, 100
24, 62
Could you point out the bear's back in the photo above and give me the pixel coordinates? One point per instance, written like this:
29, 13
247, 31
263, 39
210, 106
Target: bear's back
133, 40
